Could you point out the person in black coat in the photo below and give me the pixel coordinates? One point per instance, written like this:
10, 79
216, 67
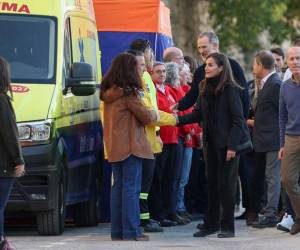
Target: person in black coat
220, 109
12, 163
208, 42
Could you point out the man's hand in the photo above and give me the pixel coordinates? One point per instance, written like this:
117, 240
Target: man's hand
250, 123
230, 155
19, 170
280, 153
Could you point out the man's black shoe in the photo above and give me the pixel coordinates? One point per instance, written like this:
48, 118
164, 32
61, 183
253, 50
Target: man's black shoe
205, 231
226, 234
178, 219
265, 222
151, 227
168, 223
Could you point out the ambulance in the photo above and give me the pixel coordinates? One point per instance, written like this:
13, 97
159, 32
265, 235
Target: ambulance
53, 51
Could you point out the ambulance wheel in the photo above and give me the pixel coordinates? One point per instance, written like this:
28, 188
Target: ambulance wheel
53, 222
86, 213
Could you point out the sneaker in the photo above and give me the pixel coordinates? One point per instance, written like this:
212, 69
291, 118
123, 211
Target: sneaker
5, 245
286, 223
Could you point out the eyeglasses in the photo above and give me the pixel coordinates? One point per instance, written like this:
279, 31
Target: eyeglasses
160, 71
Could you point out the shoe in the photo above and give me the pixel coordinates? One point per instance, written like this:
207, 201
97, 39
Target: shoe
168, 223
286, 223
186, 215
265, 222
251, 217
5, 245
205, 232
242, 216
142, 237
263, 210
200, 225
152, 227
226, 234
178, 219
296, 227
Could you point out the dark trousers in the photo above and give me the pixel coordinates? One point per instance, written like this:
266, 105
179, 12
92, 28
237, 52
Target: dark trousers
222, 179
163, 195
148, 167
6, 185
196, 189
245, 173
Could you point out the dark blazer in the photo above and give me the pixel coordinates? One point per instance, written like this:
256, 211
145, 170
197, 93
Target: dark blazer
228, 130
266, 121
190, 98
10, 152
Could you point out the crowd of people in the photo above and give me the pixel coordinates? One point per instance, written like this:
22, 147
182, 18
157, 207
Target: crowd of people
182, 139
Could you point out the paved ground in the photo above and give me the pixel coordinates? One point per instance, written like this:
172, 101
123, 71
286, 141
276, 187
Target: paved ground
176, 238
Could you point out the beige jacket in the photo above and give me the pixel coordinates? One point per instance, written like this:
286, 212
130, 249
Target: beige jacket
124, 121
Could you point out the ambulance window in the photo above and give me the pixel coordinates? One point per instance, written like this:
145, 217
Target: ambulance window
29, 45
67, 49
84, 47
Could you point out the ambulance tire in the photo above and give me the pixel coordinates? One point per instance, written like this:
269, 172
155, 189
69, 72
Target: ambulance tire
53, 222
86, 213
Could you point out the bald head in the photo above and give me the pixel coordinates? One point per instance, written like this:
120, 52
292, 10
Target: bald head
293, 61
174, 54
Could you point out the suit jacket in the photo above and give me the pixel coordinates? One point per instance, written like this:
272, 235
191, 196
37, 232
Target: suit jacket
228, 129
191, 97
266, 125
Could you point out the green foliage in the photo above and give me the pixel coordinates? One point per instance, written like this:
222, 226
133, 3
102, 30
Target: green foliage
241, 22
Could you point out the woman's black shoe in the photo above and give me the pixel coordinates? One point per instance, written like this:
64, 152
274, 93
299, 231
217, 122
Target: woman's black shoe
226, 234
204, 232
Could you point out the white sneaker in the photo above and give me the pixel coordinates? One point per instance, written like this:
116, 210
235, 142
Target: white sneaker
286, 223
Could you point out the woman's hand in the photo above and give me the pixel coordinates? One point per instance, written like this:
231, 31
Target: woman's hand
19, 170
250, 123
230, 155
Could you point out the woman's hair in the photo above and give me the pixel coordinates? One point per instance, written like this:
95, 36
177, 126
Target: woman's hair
172, 71
123, 73
225, 77
4, 77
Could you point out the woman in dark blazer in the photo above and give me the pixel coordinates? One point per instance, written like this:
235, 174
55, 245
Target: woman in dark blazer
219, 108
11, 163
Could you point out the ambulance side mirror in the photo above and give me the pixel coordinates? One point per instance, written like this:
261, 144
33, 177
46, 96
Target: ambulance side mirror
82, 79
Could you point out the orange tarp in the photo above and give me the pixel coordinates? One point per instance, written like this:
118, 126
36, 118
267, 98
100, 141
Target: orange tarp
132, 16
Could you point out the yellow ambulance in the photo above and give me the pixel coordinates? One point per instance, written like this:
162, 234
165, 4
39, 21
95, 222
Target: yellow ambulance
53, 51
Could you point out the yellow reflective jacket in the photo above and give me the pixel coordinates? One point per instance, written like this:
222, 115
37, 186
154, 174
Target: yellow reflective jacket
149, 100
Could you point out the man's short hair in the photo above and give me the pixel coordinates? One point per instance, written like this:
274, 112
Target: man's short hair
278, 51
140, 45
213, 38
266, 59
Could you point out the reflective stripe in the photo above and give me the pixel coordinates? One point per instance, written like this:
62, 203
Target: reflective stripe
143, 196
145, 216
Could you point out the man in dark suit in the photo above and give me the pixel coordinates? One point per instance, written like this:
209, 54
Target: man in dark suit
207, 43
266, 140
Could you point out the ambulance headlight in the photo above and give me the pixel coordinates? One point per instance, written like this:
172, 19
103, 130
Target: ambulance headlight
34, 133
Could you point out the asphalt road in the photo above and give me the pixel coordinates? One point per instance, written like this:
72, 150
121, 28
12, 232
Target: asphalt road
175, 238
